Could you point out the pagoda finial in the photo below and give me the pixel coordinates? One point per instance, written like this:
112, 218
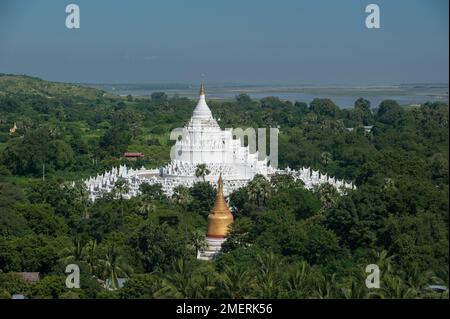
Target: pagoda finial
220, 185
202, 90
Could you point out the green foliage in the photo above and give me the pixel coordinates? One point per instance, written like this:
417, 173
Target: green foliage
151, 192
13, 284
159, 97
356, 218
11, 223
30, 253
286, 241
203, 195
49, 287
41, 219
157, 246
243, 99
37, 148
4, 294
141, 286
324, 107
389, 112
116, 140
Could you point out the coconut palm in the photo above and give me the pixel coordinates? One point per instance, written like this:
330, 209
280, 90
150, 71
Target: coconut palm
267, 276
205, 286
326, 287
384, 261
120, 189
76, 251
235, 282
297, 283
179, 282
418, 280
113, 267
81, 197
394, 287
354, 288
201, 171
259, 190
91, 255
146, 207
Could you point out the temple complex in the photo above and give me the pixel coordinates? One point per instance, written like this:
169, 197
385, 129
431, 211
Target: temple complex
202, 141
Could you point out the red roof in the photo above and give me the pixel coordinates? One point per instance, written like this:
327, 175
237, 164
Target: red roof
131, 154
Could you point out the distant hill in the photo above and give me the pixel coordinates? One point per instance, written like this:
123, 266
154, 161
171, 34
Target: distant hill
16, 84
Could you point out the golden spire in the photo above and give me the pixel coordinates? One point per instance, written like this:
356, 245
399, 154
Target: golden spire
220, 216
202, 90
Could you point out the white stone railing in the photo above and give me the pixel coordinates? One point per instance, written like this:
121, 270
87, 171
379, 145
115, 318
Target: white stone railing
178, 173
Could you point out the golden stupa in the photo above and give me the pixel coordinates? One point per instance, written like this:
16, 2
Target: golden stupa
220, 216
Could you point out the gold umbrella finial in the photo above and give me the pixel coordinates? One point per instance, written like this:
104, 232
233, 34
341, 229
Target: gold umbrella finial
202, 90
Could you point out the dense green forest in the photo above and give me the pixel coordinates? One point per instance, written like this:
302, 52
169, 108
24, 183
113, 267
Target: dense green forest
286, 242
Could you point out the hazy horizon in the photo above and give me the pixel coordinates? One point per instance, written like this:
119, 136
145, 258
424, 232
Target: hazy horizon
343, 96
252, 42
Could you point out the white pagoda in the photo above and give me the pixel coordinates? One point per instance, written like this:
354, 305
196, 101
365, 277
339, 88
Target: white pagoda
202, 141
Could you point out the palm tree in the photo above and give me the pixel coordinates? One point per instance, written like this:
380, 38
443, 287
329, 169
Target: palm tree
297, 282
179, 283
328, 195
201, 171
82, 198
384, 261
326, 287
259, 190
355, 291
418, 280
91, 257
146, 207
198, 240
206, 286
113, 267
235, 282
182, 196
121, 188
355, 288
75, 253
395, 287
326, 158
267, 276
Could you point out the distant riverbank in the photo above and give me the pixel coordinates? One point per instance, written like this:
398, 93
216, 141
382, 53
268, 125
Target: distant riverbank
343, 96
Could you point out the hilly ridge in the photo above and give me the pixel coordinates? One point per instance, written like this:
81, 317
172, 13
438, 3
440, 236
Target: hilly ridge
24, 84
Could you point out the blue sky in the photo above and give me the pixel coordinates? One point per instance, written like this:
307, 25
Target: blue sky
237, 41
